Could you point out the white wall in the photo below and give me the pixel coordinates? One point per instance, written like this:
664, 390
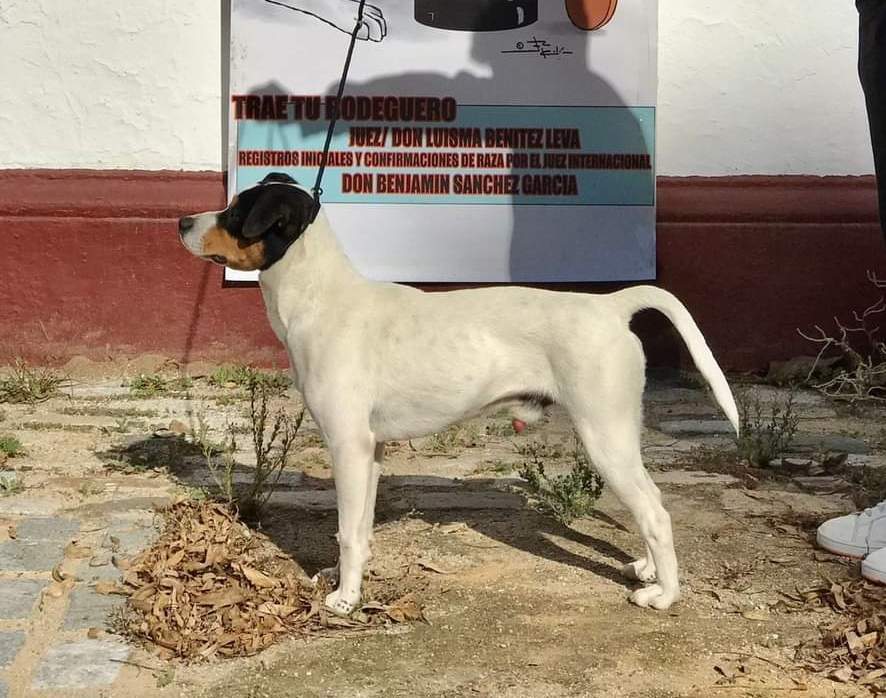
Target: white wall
129, 84
746, 87
760, 87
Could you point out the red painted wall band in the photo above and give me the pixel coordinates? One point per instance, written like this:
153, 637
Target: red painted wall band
92, 266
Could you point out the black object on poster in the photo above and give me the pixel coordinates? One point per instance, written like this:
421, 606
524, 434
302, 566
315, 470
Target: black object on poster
476, 15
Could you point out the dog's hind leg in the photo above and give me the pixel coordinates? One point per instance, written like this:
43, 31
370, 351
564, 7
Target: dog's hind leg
353, 470
641, 569
644, 568
606, 407
615, 451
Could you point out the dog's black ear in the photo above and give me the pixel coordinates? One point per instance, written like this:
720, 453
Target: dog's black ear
268, 212
287, 210
278, 177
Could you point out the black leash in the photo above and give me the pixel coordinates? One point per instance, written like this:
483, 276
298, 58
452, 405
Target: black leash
318, 189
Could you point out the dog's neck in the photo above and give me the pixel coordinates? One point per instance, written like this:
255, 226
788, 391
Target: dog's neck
313, 273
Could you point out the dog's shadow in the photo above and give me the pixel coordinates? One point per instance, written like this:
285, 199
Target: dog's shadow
306, 531
308, 534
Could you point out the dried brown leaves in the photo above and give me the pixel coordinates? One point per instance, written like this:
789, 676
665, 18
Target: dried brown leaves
853, 649
211, 587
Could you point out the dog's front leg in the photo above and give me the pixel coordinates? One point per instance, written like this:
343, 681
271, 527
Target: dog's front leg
353, 470
368, 521
331, 573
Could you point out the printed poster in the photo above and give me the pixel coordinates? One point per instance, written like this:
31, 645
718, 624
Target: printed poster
477, 141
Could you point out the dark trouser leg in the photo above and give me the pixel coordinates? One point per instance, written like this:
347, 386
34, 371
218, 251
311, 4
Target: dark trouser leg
872, 71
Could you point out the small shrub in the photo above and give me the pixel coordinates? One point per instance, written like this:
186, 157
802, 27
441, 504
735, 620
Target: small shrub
243, 376
222, 474
765, 433
544, 450
30, 385
11, 446
151, 385
122, 425
705, 454
454, 440
499, 467
869, 484
225, 376
273, 438
10, 483
89, 489
181, 384
565, 497
498, 428
271, 451
148, 385
854, 354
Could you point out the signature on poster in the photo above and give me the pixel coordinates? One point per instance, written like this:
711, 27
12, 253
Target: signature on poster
539, 47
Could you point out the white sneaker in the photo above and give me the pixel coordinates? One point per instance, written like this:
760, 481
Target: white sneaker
855, 535
873, 567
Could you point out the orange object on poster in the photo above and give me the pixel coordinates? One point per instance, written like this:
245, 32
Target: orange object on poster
591, 14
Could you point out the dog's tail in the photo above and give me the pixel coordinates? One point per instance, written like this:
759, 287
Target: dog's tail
638, 298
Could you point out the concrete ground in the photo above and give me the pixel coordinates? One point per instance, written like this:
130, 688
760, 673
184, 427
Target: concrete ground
518, 604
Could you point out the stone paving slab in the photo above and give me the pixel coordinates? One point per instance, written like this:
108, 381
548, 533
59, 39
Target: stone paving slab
143, 517
98, 510
81, 664
3, 689
88, 609
49, 528
11, 642
94, 573
28, 505
204, 478
696, 426
813, 443
19, 556
875, 461
127, 541
324, 500
441, 501
691, 477
664, 396
17, 597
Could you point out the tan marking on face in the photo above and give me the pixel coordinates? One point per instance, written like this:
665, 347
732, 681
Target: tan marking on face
240, 256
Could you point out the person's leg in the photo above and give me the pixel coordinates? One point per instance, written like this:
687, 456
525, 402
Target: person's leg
872, 72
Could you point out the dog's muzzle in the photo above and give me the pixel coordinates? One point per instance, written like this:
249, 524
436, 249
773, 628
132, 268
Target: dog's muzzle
185, 224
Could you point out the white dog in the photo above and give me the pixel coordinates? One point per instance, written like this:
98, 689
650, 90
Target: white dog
378, 361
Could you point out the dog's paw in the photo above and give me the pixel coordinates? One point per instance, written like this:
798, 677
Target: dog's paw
642, 570
342, 604
655, 597
328, 574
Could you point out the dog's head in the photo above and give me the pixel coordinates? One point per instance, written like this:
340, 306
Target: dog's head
256, 229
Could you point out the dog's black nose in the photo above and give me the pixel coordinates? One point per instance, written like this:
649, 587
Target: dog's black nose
185, 224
